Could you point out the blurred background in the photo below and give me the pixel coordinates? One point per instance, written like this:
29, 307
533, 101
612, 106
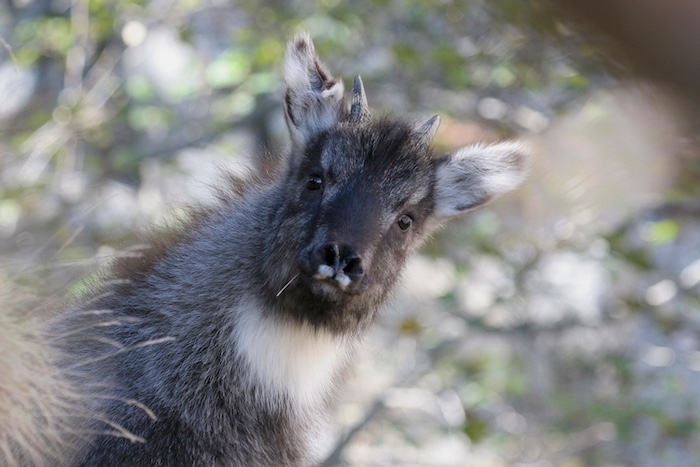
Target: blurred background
557, 327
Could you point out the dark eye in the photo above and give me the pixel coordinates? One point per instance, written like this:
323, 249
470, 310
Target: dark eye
405, 222
314, 182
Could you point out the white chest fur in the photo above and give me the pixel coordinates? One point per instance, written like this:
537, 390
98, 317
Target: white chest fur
288, 358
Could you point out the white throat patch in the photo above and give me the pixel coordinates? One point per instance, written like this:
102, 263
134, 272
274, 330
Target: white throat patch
288, 358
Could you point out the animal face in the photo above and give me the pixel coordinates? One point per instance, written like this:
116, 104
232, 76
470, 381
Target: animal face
366, 192
362, 193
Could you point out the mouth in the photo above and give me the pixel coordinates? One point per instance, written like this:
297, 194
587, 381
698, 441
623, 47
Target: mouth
327, 275
332, 288
326, 284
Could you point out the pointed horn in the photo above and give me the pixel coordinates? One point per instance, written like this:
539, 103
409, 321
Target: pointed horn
359, 111
427, 132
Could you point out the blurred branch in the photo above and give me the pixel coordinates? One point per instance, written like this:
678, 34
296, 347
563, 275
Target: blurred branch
689, 208
258, 120
375, 409
76, 56
8, 47
405, 378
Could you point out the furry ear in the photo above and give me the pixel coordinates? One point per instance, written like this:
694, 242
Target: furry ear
313, 99
474, 175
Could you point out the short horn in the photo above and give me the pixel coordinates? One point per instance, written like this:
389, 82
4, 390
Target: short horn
427, 132
359, 111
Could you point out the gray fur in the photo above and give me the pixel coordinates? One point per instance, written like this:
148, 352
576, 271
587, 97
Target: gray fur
223, 344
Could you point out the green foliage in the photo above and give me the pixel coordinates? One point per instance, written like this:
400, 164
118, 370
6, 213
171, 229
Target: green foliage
663, 231
474, 427
228, 70
42, 37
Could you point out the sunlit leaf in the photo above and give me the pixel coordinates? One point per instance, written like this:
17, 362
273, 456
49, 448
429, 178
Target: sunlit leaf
145, 117
503, 76
410, 325
229, 70
661, 232
140, 89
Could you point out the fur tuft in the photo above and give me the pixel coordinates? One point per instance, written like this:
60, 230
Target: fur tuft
37, 400
474, 175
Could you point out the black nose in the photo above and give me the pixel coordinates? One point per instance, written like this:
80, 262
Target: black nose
339, 257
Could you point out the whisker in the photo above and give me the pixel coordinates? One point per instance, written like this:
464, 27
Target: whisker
287, 285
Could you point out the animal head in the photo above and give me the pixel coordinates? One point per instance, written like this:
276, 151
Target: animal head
361, 193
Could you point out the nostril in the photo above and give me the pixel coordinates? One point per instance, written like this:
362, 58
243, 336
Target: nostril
353, 265
331, 257
329, 254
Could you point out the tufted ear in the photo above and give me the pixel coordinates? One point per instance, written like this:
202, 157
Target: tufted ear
474, 175
313, 99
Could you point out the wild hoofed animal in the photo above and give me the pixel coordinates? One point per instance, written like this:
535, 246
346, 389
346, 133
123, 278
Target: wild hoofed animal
224, 344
